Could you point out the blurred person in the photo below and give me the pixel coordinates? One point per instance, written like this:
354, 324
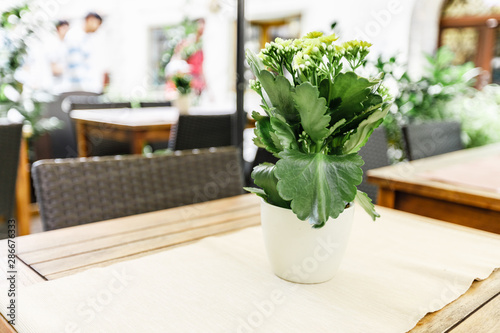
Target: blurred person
85, 63
58, 55
45, 60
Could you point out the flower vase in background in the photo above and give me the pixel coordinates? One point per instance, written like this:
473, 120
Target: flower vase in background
183, 85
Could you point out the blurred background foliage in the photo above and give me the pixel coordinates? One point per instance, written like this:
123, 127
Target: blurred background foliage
174, 35
17, 28
443, 92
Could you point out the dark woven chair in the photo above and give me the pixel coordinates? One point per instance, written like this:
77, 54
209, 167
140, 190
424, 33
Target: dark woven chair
10, 141
201, 131
77, 191
63, 140
155, 104
94, 102
374, 153
430, 139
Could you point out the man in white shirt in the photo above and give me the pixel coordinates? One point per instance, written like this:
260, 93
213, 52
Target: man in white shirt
85, 69
56, 48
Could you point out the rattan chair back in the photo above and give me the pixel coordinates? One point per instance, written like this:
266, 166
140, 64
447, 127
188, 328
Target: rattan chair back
201, 131
374, 153
433, 138
77, 191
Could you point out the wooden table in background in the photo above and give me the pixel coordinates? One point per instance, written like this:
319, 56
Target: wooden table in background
401, 187
136, 126
55, 254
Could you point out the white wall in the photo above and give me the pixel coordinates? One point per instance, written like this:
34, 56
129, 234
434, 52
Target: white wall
385, 23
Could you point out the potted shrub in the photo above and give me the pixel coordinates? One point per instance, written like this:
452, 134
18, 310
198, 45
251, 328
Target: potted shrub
318, 113
182, 83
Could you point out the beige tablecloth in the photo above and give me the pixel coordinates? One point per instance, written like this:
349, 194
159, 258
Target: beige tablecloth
395, 271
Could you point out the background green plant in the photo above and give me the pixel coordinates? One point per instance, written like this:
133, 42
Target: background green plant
182, 83
17, 29
175, 34
433, 97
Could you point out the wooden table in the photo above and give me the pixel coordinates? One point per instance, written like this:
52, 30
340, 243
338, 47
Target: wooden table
402, 187
137, 126
55, 254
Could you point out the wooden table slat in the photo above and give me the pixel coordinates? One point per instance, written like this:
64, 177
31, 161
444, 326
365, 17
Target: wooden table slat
123, 250
484, 320
443, 320
26, 276
135, 235
91, 231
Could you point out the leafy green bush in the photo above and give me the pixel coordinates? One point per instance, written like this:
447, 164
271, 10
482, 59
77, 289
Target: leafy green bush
427, 98
479, 114
16, 29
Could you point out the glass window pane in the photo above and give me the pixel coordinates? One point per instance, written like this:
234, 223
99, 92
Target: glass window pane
462, 41
459, 8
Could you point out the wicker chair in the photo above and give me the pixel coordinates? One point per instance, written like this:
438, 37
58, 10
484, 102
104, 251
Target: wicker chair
63, 140
430, 139
201, 131
77, 191
155, 104
93, 102
374, 153
10, 141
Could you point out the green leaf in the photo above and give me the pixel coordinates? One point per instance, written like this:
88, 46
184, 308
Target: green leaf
312, 109
352, 90
263, 176
279, 91
257, 116
324, 89
263, 132
284, 133
256, 65
260, 192
276, 141
364, 201
372, 101
359, 138
336, 126
354, 123
319, 186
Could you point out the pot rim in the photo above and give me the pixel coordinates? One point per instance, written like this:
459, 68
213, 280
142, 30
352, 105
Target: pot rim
351, 205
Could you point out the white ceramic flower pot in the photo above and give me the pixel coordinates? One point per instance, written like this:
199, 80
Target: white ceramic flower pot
182, 103
299, 253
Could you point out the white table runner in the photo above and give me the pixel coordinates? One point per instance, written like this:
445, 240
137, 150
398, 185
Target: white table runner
394, 273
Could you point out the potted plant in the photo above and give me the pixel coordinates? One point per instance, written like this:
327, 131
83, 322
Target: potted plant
182, 83
318, 113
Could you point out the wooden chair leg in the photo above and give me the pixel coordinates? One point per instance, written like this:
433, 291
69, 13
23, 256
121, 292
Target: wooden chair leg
23, 192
